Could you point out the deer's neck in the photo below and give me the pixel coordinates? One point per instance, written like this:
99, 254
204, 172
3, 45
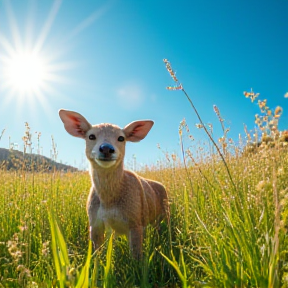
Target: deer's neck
107, 182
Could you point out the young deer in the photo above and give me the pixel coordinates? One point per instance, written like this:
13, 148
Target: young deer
118, 198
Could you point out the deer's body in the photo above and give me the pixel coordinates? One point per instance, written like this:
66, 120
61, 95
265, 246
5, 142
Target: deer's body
118, 198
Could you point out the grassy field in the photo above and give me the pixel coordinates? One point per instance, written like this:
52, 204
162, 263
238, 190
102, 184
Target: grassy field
228, 226
223, 234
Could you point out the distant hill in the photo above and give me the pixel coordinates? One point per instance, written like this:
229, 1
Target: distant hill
16, 160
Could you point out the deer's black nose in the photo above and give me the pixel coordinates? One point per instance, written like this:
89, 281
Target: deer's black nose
106, 148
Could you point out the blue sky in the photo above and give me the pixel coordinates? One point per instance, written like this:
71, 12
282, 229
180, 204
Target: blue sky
103, 59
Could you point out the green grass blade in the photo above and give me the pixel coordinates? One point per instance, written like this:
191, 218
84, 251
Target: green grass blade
94, 274
63, 251
83, 280
175, 265
54, 247
108, 262
59, 250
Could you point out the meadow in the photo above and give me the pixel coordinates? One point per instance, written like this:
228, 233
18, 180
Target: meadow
228, 226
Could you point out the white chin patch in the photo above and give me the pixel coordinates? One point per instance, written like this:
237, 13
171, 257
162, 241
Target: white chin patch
105, 164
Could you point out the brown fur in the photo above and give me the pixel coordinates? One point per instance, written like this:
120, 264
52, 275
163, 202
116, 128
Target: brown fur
118, 198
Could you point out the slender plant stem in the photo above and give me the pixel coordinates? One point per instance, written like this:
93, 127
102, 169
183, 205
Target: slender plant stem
185, 165
214, 143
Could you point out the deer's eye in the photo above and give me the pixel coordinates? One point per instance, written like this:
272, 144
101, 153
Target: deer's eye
92, 137
121, 138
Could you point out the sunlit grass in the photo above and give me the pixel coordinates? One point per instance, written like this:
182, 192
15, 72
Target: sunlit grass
220, 237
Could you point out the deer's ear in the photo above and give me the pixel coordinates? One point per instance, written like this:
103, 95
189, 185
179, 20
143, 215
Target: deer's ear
74, 123
137, 130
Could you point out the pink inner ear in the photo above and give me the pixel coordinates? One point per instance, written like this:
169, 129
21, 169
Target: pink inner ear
74, 119
77, 124
79, 129
74, 126
135, 130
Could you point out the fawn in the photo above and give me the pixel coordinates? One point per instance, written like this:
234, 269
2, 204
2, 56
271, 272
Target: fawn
118, 198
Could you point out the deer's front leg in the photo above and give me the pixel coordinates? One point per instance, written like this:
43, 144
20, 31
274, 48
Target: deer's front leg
135, 241
96, 224
97, 230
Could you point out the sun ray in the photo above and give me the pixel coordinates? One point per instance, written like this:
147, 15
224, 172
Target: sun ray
29, 27
48, 24
13, 25
6, 46
95, 15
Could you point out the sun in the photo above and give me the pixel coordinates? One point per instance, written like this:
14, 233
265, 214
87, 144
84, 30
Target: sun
26, 72
35, 67
30, 71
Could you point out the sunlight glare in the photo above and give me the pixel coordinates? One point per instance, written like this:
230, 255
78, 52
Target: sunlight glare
26, 72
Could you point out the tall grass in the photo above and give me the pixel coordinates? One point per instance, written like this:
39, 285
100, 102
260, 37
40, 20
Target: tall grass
228, 226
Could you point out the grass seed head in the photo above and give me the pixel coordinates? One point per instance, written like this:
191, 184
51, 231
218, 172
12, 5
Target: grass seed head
178, 85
